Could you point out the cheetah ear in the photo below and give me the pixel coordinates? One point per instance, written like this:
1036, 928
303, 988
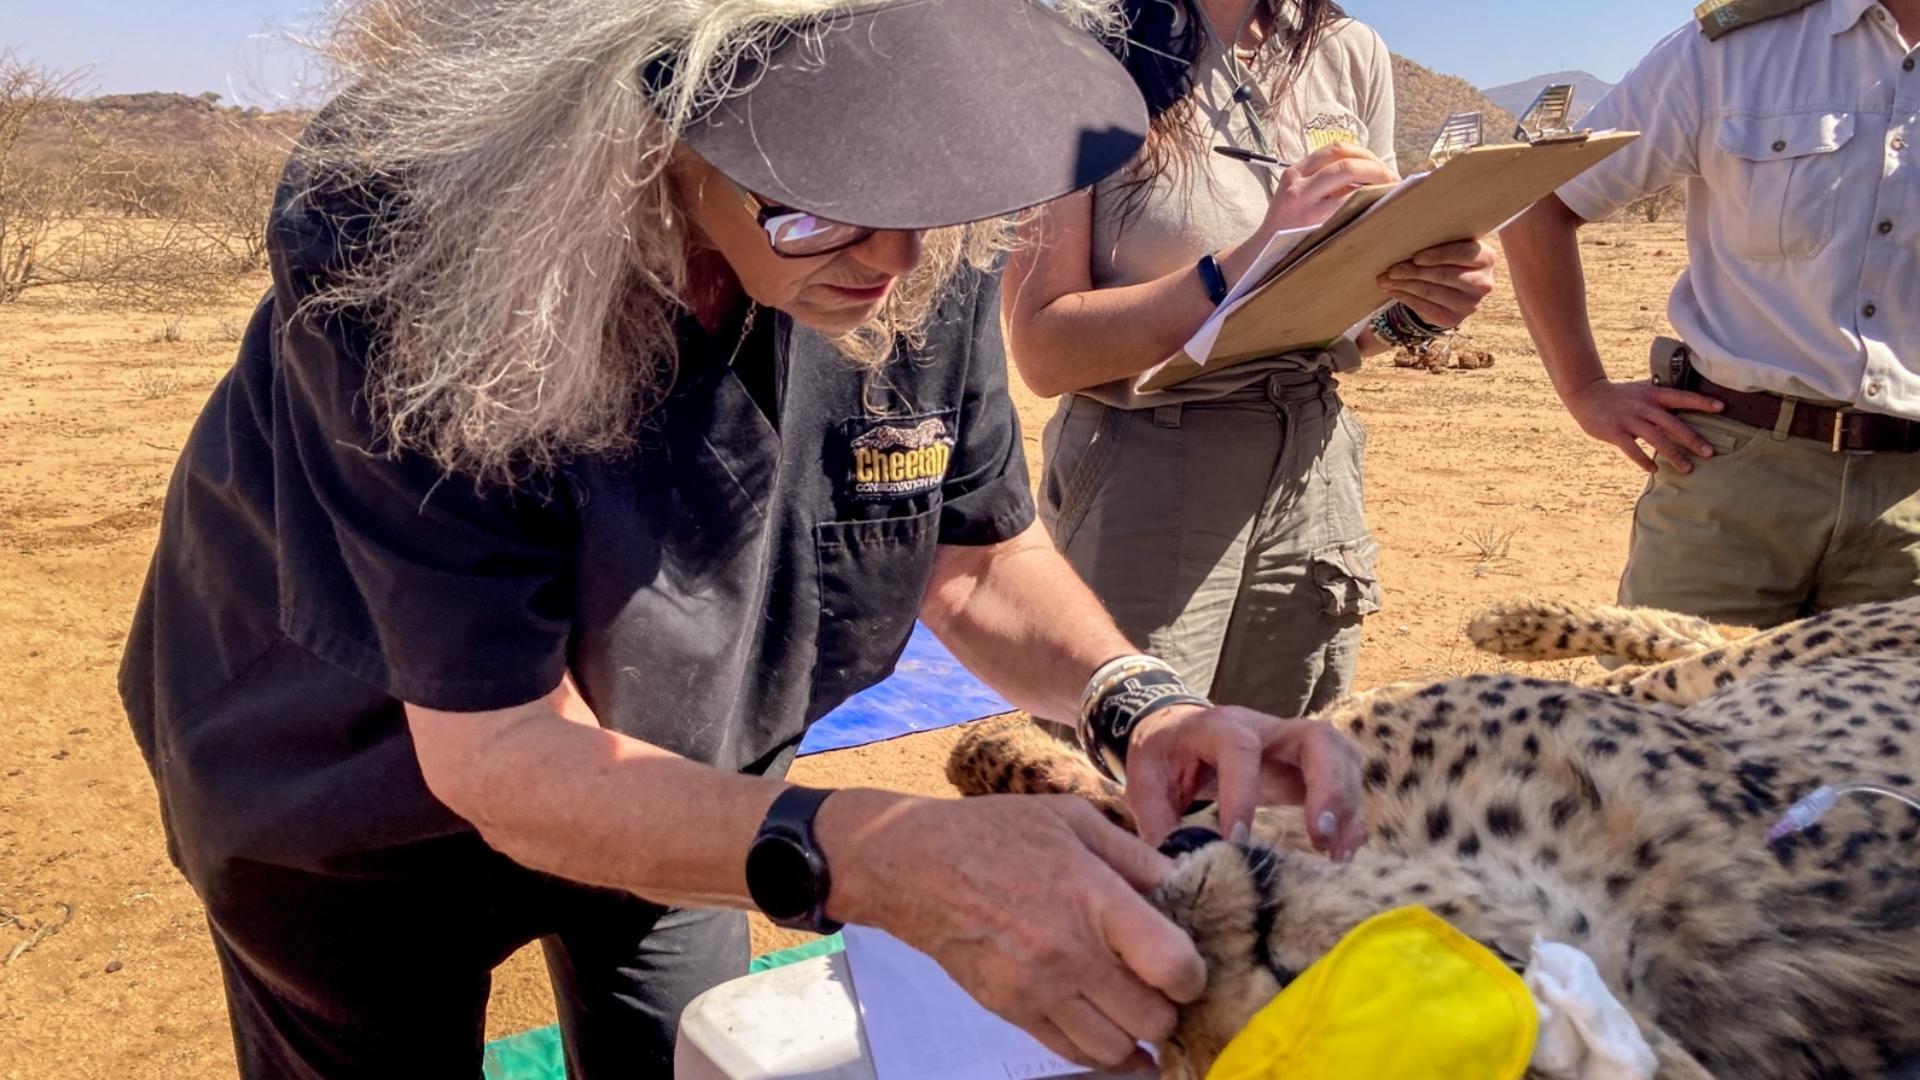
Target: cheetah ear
1187, 841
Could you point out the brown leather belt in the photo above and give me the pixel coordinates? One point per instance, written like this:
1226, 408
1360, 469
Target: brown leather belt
1842, 429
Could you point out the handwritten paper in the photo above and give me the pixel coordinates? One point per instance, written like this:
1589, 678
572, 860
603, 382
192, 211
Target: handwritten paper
1283, 250
921, 1025
1279, 246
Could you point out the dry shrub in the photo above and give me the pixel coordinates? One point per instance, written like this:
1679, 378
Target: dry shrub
171, 332
1491, 548
36, 198
222, 190
167, 227
152, 384
1660, 206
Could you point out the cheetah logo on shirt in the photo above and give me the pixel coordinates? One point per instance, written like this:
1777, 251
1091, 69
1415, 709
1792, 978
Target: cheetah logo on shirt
895, 459
1325, 129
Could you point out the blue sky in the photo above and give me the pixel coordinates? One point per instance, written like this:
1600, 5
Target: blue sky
240, 48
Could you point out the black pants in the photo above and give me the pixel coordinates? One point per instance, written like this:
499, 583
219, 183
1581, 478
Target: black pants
384, 970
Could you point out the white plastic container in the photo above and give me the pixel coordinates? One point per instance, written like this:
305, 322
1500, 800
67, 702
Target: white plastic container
791, 1022
798, 1022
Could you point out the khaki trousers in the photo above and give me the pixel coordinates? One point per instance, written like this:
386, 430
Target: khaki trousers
1226, 536
1773, 528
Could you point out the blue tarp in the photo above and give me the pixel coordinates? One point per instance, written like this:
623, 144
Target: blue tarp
928, 690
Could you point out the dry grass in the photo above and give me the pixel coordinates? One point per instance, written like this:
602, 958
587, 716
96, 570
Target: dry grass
171, 332
1491, 548
153, 384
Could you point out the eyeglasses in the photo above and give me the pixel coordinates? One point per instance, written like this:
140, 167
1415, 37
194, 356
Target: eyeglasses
796, 234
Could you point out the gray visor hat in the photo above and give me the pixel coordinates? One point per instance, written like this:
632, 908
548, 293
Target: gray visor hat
918, 114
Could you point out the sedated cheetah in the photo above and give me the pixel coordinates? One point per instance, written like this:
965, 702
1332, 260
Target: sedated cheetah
1628, 817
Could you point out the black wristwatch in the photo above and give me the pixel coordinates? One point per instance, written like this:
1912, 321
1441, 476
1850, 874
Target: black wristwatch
1214, 278
786, 873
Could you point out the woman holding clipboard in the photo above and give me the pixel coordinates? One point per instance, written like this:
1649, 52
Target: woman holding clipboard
1221, 519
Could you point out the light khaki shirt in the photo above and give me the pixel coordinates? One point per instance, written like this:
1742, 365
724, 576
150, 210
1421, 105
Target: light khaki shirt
1346, 85
1795, 139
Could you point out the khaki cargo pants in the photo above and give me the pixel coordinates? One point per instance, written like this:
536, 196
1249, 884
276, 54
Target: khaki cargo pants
1226, 536
1773, 528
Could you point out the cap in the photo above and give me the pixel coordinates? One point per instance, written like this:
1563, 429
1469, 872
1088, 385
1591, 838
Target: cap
918, 114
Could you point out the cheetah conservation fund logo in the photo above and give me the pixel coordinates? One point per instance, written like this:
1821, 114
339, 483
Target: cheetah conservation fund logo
895, 460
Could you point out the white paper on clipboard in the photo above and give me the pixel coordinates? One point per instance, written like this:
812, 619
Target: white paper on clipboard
1279, 246
1279, 253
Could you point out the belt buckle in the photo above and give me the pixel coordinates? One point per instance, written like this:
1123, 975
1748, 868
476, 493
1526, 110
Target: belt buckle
1840, 427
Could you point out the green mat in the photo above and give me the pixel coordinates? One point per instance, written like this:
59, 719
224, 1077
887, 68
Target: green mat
535, 1055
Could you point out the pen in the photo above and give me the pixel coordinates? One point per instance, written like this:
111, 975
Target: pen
1252, 157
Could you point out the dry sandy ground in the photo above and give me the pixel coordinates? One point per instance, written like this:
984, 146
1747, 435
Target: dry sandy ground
108, 972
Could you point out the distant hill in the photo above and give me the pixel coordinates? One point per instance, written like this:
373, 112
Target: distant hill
1423, 99
156, 122
1515, 97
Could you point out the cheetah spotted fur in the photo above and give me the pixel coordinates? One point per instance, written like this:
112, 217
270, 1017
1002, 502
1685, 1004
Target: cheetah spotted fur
1627, 818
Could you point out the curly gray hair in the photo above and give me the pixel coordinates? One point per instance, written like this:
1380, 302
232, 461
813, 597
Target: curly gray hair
530, 260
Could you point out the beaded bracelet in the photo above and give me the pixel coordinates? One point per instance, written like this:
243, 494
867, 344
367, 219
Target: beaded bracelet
1402, 328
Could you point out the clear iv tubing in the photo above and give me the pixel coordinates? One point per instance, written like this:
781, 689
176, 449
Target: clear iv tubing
1808, 811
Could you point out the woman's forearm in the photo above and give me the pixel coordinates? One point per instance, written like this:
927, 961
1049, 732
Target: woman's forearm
547, 787
580, 802
1016, 615
1086, 338
1066, 335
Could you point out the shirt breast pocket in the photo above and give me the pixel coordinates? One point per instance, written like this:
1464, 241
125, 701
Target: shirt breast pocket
1780, 192
872, 576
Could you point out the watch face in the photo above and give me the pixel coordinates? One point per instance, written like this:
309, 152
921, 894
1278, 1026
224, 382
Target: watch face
780, 877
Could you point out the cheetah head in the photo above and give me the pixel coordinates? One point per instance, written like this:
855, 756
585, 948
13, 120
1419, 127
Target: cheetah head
1232, 899
1260, 916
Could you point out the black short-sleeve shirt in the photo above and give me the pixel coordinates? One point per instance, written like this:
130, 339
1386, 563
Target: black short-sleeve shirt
757, 560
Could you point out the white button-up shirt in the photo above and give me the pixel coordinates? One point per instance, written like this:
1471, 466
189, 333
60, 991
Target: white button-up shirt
1795, 138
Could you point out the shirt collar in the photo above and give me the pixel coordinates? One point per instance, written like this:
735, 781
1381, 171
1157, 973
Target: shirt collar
1844, 15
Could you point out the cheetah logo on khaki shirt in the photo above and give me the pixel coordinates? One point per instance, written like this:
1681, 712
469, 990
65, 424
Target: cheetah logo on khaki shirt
1326, 129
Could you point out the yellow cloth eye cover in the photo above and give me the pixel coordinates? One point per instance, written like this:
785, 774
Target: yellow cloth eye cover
1404, 996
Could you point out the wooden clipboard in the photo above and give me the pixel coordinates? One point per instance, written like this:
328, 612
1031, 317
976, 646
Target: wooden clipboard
1328, 284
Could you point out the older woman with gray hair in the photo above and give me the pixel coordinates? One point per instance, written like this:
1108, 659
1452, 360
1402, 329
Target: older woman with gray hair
630, 381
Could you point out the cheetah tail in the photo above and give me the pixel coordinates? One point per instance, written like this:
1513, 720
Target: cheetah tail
1014, 755
1862, 630
1557, 630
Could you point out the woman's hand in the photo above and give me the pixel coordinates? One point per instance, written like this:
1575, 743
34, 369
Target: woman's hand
1312, 189
1032, 903
1244, 760
1443, 285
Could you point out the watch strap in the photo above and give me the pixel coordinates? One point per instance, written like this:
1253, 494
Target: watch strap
1214, 278
792, 813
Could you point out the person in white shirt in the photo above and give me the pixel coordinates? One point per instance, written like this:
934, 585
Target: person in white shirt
1786, 421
